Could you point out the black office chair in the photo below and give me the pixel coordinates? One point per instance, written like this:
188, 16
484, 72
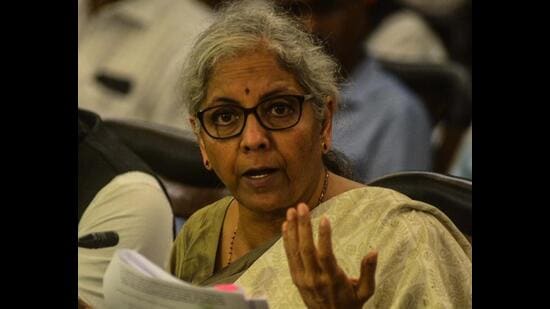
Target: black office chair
452, 195
444, 88
170, 152
174, 156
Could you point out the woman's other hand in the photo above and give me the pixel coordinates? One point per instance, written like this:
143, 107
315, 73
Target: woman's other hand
321, 282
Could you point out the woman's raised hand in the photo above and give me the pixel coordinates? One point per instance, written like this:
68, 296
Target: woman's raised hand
321, 282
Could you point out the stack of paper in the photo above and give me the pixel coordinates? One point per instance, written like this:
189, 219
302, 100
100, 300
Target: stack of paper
132, 281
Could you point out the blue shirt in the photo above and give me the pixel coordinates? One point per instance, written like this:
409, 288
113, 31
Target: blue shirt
381, 126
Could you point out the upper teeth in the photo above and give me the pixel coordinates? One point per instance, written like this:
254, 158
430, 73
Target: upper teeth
258, 176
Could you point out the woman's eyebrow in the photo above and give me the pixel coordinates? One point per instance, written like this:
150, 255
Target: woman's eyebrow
273, 93
230, 101
223, 101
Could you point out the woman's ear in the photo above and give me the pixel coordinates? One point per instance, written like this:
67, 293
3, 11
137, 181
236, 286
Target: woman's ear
195, 125
326, 129
196, 129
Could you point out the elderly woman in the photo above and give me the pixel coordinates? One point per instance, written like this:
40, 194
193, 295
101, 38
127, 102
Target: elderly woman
262, 95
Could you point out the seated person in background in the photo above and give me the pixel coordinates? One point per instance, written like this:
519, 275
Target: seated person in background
116, 192
383, 127
130, 53
405, 37
262, 95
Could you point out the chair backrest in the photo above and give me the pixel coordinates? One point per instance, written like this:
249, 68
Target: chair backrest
172, 153
451, 194
174, 156
444, 88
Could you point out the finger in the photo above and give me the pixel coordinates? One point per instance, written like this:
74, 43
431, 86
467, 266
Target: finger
305, 241
290, 241
366, 280
327, 260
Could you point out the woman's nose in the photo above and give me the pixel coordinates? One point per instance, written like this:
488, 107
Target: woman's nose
254, 136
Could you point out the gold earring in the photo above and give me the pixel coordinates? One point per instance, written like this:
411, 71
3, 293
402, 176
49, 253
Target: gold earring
207, 164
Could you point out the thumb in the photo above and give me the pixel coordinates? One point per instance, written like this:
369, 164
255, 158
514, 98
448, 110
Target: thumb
366, 280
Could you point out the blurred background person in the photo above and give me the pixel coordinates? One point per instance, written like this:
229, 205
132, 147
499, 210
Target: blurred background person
402, 35
117, 192
382, 126
427, 43
129, 56
451, 21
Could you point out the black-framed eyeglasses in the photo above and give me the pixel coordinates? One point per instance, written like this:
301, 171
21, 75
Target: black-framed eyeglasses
274, 113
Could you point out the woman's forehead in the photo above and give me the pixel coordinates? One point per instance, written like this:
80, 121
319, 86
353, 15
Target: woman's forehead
249, 65
249, 74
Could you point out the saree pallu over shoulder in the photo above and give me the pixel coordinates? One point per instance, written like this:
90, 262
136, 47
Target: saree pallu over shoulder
424, 261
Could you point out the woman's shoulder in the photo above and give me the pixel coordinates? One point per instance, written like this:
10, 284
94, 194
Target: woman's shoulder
376, 199
394, 205
382, 199
203, 219
386, 207
393, 211
388, 218
188, 254
346, 191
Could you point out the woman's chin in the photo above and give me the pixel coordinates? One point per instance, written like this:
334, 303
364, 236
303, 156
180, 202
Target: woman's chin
265, 202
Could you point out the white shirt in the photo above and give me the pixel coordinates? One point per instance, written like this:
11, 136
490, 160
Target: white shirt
404, 36
143, 42
134, 205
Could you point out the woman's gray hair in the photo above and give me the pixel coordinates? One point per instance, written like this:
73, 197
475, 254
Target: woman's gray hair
243, 26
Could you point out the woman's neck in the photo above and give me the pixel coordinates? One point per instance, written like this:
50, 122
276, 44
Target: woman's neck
255, 229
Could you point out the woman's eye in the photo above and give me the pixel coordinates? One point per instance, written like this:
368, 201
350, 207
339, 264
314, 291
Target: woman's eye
224, 117
281, 109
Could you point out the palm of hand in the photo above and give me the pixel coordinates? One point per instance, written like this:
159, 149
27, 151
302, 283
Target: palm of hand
320, 281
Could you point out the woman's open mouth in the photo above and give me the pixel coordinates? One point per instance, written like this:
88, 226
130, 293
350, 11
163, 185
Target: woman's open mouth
259, 177
259, 173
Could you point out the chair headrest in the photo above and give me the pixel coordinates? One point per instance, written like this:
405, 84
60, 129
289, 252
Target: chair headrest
446, 88
450, 194
170, 152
